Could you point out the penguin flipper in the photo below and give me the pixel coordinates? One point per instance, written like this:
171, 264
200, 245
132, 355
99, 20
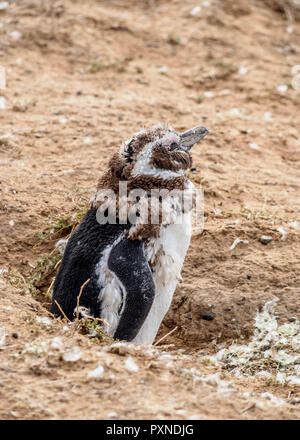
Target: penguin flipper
127, 260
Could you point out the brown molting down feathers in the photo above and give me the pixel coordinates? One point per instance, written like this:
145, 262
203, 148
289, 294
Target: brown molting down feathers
156, 158
174, 160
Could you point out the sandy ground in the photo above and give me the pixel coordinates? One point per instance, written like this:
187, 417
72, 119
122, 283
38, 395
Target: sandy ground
81, 78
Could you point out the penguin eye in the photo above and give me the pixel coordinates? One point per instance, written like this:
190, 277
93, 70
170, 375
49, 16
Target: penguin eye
173, 146
129, 151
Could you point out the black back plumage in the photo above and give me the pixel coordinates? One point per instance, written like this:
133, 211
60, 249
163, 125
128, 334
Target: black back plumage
83, 251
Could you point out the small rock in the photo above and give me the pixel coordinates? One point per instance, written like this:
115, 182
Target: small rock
265, 347
292, 319
44, 320
268, 116
112, 415
15, 335
3, 5
208, 94
163, 69
97, 373
63, 120
243, 70
130, 365
2, 337
57, 343
15, 35
283, 233
282, 88
249, 277
72, 355
2, 104
253, 145
265, 239
195, 11
208, 316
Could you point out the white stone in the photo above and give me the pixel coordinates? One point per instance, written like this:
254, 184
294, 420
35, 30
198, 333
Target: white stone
3, 5
97, 373
253, 145
282, 88
195, 10
130, 365
243, 70
208, 94
72, 355
2, 103
15, 35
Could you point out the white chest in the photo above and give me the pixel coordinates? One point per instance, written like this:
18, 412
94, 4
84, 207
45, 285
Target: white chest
166, 255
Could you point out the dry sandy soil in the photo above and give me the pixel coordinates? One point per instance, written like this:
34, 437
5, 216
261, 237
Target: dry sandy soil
81, 78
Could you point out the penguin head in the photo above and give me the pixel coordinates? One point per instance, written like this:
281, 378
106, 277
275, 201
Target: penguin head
161, 151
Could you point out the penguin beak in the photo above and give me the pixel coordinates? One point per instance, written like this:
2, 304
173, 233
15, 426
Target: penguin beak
191, 137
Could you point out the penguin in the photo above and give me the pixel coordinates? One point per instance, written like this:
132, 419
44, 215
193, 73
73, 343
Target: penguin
130, 268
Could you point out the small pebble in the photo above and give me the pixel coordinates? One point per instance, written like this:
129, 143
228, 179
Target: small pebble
195, 10
3, 5
130, 365
63, 120
228, 309
208, 316
283, 233
15, 335
208, 94
282, 88
243, 70
268, 116
97, 373
163, 69
265, 239
249, 277
112, 415
253, 145
15, 35
2, 103
292, 319
265, 347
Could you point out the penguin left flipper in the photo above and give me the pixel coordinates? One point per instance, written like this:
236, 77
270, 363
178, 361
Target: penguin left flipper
127, 261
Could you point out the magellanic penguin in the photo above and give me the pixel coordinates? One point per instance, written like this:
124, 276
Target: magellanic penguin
132, 266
